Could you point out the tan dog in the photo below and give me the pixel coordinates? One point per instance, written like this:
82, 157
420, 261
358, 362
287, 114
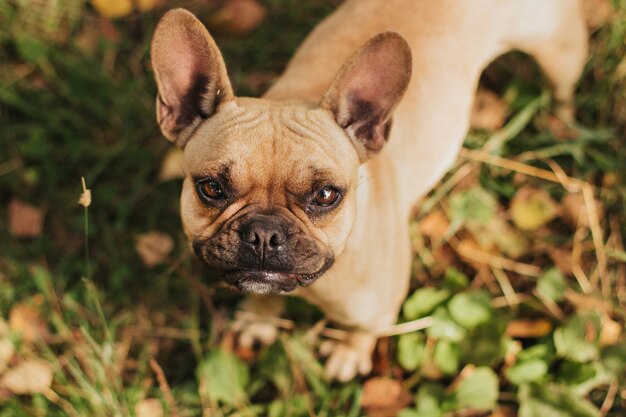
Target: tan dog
308, 190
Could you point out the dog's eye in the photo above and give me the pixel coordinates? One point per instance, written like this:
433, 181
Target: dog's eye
326, 197
210, 190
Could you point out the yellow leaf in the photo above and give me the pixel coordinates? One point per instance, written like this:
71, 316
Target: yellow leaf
531, 208
113, 8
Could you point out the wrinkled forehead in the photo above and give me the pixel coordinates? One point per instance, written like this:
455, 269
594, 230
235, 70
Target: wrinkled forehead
257, 142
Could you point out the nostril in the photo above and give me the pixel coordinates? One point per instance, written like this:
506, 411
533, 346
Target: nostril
275, 241
251, 237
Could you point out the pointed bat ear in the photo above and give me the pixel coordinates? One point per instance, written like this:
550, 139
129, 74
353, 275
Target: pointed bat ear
367, 89
190, 75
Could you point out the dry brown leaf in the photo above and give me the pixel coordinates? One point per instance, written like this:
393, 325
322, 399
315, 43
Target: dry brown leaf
574, 210
488, 111
523, 329
33, 376
597, 12
149, 407
238, 17
531, 208
504, 412
384, 397
562, 260
434, 225
153, 247
26, 320
24, 220
172, 165
610, 332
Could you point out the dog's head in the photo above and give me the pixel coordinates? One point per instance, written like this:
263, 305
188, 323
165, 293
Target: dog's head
269, 195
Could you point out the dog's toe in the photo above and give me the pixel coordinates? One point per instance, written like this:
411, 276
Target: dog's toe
249, 333
350, 358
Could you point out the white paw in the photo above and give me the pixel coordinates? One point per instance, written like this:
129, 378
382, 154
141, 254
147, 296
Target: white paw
251, 332
349, 358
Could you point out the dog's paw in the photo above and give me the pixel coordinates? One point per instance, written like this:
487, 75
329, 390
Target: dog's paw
248, 333
349, 358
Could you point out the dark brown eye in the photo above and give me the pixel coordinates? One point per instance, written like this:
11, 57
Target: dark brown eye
326, 197
210, 190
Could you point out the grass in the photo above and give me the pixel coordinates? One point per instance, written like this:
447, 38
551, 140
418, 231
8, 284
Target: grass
77, 100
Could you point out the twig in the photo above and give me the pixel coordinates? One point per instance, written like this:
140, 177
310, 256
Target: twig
337, 334
495, 261
570, 184
507, 289
408, 327
609, 400
598, 240
164, 386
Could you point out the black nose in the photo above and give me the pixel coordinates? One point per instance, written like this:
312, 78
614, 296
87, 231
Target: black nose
263, 234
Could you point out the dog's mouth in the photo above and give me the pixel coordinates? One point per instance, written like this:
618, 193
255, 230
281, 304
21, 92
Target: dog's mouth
271, 282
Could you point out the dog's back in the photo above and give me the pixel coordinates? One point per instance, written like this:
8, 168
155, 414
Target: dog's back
452, 42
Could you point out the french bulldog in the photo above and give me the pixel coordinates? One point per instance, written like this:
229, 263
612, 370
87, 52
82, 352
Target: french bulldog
309, 189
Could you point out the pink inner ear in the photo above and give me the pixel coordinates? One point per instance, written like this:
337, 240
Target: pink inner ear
178, 72
378, 77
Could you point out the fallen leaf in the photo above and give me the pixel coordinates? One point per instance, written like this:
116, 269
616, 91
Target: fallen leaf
499, 233
574, 210
26, 320
384, 397
149, 407
597, 12
99, 28
172, 165
147, 5
24, 220
610, 331
531, 208
504, 412
113, 8
434, 225
488, 111
153, 247
523, 329
238, 17
562, 260
33, 376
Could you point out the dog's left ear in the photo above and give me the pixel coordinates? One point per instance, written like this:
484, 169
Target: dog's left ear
367, 89
190, 74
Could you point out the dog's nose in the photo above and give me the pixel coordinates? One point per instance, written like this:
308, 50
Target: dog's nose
264, 235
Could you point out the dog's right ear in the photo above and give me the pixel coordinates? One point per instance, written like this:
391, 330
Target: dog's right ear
190, 75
